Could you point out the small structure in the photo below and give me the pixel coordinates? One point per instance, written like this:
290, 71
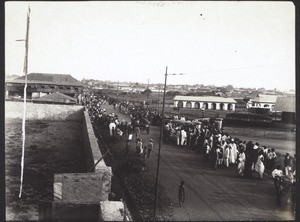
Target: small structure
56, 98
263, 101
286, 105
204, 102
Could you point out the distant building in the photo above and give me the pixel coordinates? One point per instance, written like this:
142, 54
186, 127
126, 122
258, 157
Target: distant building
204, 102
263, 101
56, 98
286, 105
41, 84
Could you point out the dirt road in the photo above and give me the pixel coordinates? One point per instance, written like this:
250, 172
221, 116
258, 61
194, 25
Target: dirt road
215, 195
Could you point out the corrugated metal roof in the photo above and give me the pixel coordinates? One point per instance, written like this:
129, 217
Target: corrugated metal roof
285, 104
217, 99
44, 82
57, 97
261, 98
45, 78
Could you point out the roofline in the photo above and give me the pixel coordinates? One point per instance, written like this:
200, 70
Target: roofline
43, 82
192, 100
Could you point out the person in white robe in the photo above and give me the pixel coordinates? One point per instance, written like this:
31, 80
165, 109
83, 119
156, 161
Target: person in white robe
226, 156
241, 164
259, 166
183, 137
111, 126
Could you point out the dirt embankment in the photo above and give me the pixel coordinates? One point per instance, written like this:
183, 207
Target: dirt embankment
51, 147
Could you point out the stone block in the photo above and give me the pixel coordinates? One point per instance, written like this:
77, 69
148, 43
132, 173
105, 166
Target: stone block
112, 211
83, 187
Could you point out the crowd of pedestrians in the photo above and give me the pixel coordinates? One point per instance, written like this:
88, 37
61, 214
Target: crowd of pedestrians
206, 137
221, 149
115, 128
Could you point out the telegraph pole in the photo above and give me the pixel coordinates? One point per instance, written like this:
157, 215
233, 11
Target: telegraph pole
25, 70
117, 91
160, 140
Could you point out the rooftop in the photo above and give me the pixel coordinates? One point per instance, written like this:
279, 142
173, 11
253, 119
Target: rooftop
261, 98
47, 78
204, 99
285, 104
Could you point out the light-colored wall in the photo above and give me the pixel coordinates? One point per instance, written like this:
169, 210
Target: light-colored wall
92, 150
36, 111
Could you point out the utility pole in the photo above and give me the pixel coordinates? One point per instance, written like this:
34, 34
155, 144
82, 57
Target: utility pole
25, 70
118, 91
160, 140
158, 98
147, 93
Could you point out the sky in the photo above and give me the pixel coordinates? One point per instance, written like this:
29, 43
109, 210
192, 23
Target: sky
244, 44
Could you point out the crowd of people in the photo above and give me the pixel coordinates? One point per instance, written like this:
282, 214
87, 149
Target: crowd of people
115, 128
221, 149
205, 137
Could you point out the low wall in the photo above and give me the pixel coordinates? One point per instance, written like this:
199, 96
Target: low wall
84, 196
35, 111
92, 150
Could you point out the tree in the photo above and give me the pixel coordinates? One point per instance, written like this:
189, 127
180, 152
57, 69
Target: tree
230, 87
147, 92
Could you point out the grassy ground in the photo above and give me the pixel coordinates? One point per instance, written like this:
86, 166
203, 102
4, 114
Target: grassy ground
51, 147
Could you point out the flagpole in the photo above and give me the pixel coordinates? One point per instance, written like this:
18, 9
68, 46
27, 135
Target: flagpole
25, 70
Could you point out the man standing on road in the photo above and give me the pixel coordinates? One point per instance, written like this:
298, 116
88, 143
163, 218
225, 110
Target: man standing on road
183, 137
181, 193
127, 147
287, 164
150, 147
137, 132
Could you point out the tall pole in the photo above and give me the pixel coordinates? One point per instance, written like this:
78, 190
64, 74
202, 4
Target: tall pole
158, 97
117, 91
160, 142
25, 70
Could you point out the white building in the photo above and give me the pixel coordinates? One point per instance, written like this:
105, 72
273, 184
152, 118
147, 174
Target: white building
263, 101
204, 102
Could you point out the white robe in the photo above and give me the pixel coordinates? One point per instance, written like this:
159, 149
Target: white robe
183, 137
111, 126
241, 165
259, 166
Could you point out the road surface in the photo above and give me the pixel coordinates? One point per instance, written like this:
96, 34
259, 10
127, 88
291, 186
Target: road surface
211, 195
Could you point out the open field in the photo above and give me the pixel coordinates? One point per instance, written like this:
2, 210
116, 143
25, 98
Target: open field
51, 147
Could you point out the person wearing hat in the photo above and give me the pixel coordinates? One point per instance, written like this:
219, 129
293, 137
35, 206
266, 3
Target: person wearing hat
150, 147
